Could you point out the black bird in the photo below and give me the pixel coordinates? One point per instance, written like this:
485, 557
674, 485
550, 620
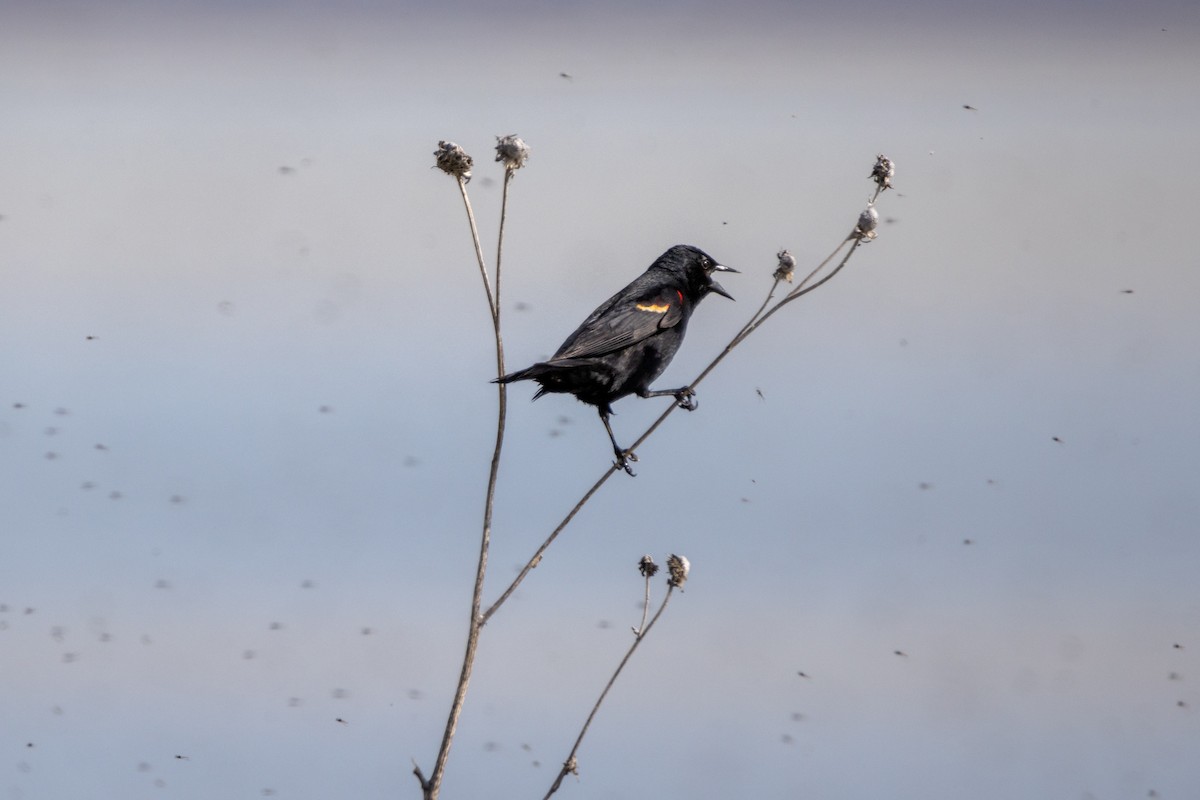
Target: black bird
628, 341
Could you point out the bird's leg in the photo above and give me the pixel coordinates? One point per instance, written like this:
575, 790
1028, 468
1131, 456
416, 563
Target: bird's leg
685, 397
623, 456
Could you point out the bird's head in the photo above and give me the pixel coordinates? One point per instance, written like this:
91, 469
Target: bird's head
696, 267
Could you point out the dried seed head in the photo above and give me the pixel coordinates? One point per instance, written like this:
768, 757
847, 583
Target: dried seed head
453, 160
867, 221
679, 566
787, 266
647, 567
512, 150
883, 172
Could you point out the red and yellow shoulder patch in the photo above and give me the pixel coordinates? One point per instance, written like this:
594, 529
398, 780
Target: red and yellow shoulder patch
660, 306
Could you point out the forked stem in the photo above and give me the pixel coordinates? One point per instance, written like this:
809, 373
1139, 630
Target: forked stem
570, 765
432, 786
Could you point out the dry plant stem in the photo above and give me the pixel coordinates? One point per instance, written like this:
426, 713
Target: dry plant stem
645, 609
487, 284
794, 294
761, 308
569, 764
758, 318
537, 556
431, 787
508, 176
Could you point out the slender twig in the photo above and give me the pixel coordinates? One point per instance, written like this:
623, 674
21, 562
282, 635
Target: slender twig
795, 294
487, 284
571, 765
508, 176
537, 556
432, 786
761, 308
645, 608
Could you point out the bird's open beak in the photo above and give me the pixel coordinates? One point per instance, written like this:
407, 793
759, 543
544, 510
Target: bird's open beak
713, 286
718, 288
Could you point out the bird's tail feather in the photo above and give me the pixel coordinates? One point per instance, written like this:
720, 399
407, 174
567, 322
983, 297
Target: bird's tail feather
519, 375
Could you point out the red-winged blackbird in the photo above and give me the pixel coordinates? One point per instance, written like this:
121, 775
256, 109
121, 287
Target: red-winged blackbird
628, 341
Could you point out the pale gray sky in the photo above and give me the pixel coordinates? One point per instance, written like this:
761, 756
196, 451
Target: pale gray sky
245, 418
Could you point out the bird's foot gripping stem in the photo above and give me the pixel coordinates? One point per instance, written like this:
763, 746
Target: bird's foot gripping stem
624, 457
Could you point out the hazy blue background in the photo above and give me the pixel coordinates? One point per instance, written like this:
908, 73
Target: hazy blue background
245, 418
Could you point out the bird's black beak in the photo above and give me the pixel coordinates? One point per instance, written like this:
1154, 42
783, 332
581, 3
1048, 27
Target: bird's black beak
713, 286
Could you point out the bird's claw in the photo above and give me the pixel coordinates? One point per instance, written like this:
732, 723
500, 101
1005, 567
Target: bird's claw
686, 399
623, 459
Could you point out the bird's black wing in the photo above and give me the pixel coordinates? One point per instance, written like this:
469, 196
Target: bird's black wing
624, 321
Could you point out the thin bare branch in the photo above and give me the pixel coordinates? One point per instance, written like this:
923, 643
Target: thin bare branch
431, 787
571, 764
537, 556
508, 176
645, 610
487, 284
